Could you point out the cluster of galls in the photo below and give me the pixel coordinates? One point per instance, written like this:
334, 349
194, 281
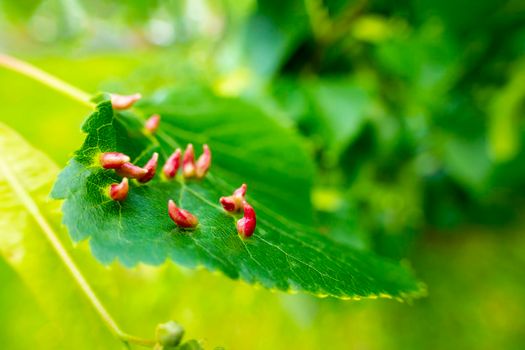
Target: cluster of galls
233, 204
191, 169
237, 202
122, 166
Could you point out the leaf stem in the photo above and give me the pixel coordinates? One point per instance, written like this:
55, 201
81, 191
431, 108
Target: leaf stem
45, 78
52, 237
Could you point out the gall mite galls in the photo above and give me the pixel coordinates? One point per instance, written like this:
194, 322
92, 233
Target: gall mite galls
192, 169
246, 225
188, 162
152, 124
234, 203
181, 217
119, 191
113, 160
121, 102
150, 167
203, 163
172, 164
132, 171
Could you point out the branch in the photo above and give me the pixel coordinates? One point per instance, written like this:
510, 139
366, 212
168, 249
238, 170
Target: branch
45, 78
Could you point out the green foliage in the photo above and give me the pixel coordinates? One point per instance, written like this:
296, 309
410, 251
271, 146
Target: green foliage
435, 95
340, 111
408, 108
24, 247
271, 33
283, 254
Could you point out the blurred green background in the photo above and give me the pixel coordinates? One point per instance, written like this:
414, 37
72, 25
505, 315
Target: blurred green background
412, 110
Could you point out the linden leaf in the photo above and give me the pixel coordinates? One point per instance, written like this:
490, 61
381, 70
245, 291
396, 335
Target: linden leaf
284, 252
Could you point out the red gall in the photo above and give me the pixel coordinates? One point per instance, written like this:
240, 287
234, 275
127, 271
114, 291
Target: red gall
234, 202
246, 225
119, 192
132, 171
152, 124
150, 167
120, 102
113, 160
203, 163
188, 162
181, 217
172, 165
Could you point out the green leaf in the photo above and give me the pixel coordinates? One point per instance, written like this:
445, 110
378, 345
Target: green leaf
342, 107
26, 177
19, 11
504, 112
467, 161
272, 33
248, 147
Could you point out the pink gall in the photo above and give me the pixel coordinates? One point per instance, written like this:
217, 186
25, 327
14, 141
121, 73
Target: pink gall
132, 171
121, 102
113, 160
203, 163
228, 204
181, 217
119, 192
152, 124
151, 168
246, 225
172, 164
188, 162
236, 201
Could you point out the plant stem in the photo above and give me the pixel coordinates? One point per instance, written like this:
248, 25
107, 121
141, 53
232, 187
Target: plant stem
83, 97
45, 78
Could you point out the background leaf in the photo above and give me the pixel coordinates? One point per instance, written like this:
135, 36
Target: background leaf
272, 33
68, 317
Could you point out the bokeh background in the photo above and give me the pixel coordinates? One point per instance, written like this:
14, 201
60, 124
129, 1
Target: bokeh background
412, 110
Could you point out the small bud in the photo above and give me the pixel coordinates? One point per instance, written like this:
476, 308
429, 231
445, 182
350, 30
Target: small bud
113, 160
131, 170
169, 334
120, 102
152, 124
119, 192
203, 163
181, 217
188, 162
246, 225
234, 202
150, 167
172, 164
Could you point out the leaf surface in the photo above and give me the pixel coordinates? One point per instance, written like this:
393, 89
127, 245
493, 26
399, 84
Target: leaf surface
284, 253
